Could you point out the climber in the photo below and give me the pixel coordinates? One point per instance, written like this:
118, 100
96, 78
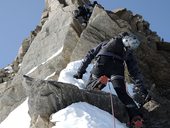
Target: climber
81, 14
110, 58
96, 3
84, 12
90, 6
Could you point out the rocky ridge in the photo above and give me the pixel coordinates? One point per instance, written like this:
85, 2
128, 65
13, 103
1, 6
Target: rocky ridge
59, 39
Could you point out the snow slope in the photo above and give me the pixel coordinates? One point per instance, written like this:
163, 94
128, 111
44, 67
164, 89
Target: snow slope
77, 115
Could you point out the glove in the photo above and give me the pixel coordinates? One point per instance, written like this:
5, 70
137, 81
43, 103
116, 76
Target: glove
78, 75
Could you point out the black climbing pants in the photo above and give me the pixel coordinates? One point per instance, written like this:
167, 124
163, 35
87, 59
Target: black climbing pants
120, 88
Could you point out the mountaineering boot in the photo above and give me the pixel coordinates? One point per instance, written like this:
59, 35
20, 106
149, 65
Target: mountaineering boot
136, 122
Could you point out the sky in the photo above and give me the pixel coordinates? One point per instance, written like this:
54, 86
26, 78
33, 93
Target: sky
19, 17
76, 115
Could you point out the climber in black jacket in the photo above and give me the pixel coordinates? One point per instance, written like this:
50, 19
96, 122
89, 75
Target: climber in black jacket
111, 57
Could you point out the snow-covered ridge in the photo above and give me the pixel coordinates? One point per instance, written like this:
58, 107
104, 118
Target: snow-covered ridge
77, 115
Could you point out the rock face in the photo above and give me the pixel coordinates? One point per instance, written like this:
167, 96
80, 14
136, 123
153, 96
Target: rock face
59, 39
47, 97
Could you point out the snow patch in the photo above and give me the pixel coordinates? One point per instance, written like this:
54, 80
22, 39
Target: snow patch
18, 118
84, 115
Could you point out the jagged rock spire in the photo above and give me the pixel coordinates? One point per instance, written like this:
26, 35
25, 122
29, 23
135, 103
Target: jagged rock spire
59, 38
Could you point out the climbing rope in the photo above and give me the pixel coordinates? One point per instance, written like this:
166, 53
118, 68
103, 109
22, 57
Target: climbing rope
112, 106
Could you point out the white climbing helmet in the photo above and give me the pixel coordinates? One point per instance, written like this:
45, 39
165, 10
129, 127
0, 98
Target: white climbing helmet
130, 41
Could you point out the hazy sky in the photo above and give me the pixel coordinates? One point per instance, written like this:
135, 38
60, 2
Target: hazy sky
19, 17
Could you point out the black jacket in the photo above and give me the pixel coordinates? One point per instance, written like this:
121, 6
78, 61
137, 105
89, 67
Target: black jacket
111, 57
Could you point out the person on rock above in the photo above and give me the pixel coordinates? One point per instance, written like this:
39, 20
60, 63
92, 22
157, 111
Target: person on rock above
83, 13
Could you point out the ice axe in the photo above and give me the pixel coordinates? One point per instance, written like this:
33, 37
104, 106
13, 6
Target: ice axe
147, 98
